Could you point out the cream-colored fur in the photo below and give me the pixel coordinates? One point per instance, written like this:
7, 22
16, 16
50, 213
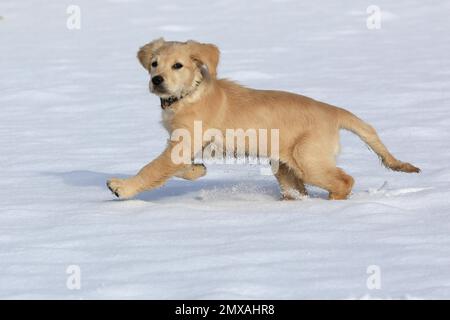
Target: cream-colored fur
308, 129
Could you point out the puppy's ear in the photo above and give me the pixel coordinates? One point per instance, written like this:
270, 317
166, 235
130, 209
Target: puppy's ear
205, 54
145, 54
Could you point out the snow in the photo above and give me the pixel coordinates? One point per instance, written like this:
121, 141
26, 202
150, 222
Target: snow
75, 110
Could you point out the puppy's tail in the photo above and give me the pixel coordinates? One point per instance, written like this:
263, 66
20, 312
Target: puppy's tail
367, 133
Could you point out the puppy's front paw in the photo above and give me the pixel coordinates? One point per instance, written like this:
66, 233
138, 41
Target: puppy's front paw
122, 188
192, 172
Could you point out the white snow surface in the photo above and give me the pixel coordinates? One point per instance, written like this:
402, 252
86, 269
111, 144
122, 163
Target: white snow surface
75, 110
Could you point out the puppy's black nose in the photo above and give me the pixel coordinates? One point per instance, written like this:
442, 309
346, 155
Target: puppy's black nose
157, 80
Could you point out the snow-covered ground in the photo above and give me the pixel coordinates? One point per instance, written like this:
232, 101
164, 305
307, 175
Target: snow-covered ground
75, 110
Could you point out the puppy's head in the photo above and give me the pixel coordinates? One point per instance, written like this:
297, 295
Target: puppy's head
177, 68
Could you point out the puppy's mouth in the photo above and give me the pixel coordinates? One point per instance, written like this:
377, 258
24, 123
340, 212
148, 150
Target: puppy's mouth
159, 90
163, 92
168, 97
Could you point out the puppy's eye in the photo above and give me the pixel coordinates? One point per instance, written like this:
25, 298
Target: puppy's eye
154, 64
177, 66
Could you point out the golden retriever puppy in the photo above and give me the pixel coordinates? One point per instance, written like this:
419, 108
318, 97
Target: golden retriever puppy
184, 76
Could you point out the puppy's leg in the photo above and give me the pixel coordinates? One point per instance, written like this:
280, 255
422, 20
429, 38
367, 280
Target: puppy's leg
191, 172
151, 176
333, 179
291, 186
315, 164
